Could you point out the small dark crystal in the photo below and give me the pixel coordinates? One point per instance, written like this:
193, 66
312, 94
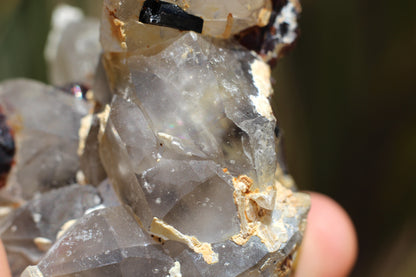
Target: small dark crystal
276, 131
169, 15
7, 149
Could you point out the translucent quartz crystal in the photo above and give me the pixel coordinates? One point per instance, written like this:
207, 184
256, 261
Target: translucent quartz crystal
45, 123
192, 111
29, 231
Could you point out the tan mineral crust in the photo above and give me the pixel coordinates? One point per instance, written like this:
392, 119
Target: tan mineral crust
177, 153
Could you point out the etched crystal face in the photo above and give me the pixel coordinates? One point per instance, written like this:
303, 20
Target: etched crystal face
183, 130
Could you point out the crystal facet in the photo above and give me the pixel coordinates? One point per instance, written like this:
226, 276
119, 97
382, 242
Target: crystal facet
28, 232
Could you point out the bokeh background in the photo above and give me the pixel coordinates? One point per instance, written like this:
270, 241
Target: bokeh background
345, 98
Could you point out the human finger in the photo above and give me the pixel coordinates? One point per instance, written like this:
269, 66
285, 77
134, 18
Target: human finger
4, 265
329, 248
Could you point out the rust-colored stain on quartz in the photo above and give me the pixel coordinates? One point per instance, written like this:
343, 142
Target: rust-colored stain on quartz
117, 28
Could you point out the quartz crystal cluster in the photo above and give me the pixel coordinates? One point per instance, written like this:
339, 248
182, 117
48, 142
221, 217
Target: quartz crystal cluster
170, 166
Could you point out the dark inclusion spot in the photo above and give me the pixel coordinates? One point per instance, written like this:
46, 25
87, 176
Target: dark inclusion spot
7, 149
276, 131
169, 15
284, 28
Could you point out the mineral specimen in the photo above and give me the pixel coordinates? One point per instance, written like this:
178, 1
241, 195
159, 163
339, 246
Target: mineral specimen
183, 129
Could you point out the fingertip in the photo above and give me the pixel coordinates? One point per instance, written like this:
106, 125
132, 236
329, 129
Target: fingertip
330, 244
4, 265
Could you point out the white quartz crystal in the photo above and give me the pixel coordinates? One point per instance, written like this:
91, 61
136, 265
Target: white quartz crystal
72, 48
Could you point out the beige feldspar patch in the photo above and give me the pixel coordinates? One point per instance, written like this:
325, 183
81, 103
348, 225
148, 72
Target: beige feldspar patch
255, 210
168, 232
4, 211
103, 117
43, 244
264, 16
118, 28
32, 271
261, 79
175, 271
261, 76
84, 129
65, 227
228, 26
262, 106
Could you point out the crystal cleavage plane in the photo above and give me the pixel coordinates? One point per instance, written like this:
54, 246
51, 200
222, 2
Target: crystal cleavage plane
181, 146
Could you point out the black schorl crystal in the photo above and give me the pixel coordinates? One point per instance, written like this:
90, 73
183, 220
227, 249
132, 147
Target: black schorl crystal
169, 15
7, 148
276, 131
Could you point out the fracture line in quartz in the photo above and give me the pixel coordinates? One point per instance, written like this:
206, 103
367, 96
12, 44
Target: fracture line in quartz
168, 232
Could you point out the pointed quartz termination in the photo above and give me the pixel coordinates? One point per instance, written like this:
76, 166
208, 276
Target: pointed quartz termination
45, 125
29, 231
105, 242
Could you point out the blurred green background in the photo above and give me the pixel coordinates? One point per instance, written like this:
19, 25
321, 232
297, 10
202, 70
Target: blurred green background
345, 97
